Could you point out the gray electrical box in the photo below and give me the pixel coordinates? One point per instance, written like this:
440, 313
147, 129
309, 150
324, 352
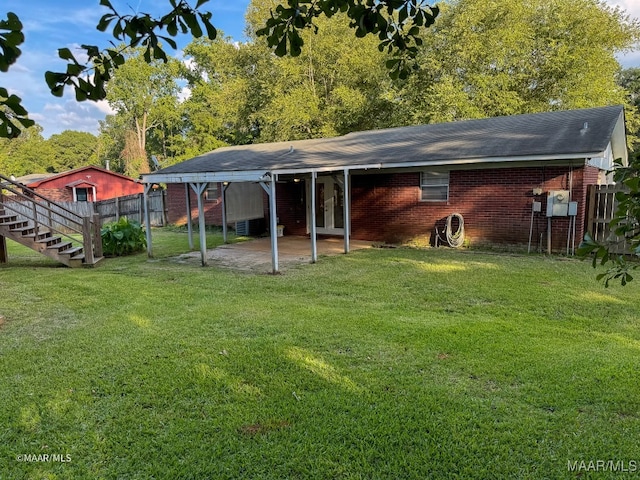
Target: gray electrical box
537, 207
558, 203
573, 209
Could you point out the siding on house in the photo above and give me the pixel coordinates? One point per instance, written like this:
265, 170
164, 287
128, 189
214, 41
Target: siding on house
108, 184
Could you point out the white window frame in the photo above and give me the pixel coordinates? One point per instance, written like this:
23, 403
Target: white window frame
212, 193
434, 181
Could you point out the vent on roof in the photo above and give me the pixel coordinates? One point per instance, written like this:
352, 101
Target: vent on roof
584, 129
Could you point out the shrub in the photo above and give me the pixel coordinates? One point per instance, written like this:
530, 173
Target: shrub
123, 237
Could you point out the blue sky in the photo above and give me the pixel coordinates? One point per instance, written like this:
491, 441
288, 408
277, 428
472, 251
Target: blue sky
49, 25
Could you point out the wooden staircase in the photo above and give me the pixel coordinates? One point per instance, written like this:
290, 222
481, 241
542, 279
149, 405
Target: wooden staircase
47, 227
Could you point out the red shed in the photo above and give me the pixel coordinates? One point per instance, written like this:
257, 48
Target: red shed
86, 184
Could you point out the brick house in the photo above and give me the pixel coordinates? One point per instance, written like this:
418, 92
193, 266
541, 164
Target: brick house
501, 174
86, 184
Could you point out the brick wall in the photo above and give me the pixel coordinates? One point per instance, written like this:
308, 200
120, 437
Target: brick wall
495, 203
177, 206
57, 194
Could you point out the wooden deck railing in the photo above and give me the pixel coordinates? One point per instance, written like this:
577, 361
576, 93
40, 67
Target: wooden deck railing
45, 212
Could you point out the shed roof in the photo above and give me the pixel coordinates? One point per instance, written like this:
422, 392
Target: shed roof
552, 135
38, 183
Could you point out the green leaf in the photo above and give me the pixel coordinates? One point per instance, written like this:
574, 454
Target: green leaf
281, 49
194, 26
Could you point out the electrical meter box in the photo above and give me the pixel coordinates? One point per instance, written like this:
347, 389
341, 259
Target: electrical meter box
558, 203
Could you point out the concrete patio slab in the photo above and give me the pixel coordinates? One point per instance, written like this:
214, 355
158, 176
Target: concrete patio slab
255, 255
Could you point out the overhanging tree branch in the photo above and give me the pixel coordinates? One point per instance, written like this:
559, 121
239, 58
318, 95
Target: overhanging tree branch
397, 23
13, 116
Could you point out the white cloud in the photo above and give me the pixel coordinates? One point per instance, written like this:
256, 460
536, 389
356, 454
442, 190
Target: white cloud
184, 94
59, 115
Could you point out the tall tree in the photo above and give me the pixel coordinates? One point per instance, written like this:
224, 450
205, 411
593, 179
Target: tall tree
242, 93
629, 80
73, 149
144, 94
498, 57
110, 145
26, 154
336, 85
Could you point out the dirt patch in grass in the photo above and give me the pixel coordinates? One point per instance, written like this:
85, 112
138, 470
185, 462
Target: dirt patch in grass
263, 428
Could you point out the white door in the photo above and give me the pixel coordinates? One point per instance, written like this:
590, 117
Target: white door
329, 207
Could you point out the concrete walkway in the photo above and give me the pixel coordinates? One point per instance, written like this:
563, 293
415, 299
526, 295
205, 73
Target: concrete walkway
255, 255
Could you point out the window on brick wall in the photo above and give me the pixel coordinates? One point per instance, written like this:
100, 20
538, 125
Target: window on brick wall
212, 192
434, 186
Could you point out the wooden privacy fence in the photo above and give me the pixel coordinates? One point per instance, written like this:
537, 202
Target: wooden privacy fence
602, 206
131, 206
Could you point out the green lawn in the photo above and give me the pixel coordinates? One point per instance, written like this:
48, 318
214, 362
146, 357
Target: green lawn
386, 363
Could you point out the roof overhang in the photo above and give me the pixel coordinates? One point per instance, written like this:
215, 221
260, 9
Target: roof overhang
205, 177
265, 175
81, 184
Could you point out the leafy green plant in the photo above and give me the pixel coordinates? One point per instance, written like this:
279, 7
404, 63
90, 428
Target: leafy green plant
123, 237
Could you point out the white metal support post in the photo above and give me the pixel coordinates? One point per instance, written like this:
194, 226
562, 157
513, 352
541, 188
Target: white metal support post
273, 219
274, 224
147, 218
199, 188
313, 226
189, 219
224, 212
347, 212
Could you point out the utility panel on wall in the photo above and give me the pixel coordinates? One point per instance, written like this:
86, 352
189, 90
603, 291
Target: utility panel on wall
558, 203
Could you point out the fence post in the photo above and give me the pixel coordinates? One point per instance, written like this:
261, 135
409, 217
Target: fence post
163, 203
117, 209
97, 236
87, 241
591, 215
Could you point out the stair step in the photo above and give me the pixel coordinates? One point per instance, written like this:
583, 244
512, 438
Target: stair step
60, 246
79, 256
73, 251
49, 240
15, 225
8, 218
26, 230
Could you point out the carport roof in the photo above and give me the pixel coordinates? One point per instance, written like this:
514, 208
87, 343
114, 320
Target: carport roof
567, 134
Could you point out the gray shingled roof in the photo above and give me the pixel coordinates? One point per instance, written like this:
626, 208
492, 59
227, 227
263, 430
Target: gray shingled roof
542, 135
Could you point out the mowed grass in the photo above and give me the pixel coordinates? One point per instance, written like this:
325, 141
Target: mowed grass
387, 363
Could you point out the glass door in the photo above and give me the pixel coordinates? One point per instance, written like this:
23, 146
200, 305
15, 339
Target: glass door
329, 206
